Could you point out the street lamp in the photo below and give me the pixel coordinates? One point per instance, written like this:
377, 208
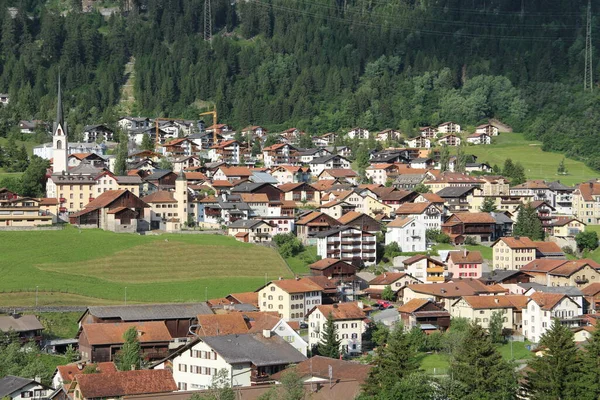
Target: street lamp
36, 296
125, 295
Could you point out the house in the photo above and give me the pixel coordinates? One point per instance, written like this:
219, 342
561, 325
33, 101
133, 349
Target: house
427, 132
291, 298
300, 192
459, 198
425, 268
381, 173
65, 374
347, 244
349, 320
336, 208
334, 269
408, 232
100, 342
232, 174
221, 324
273, 193
586, 203
251, 231
28, 127
566, 227
422, 163
162, 179
249, 360
480, 309
509, 279
277, 326
437, 181
4, 99
227, 151
320, 370
549, 250
425, 314
395, 280
480, 226
488, 129
116, 211
17, 388
576, 273
24, 212
133, 123
181, 147
513, 252
563, 198
449, 140
27, 327
358, 133
479, 138
542, 308
504, 223
339, 173
95, 133
360, 221
291, 174
115, 385
325, 139
177, 316
426, 213
419, 142
592, 298
280, 154
447, 293
388, 135
333, 161
448, 127
465, 264
257, 131
312, 223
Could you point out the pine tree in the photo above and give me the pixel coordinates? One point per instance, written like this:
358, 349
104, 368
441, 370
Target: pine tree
330, 344
496, 327
557, 373
562, 169
129, 356
461, 159
122, 153
528, 224
518, 177
478, 370
509, 168
590, 365
444, 158
489, 205
147, 143
394, 361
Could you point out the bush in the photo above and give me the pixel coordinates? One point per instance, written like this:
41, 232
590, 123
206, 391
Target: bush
587, 240
471, 241
288, 245
568, 250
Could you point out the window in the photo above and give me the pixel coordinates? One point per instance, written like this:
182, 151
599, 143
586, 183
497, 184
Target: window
280, 297
272, 288
182, 368
182, 386
281, 306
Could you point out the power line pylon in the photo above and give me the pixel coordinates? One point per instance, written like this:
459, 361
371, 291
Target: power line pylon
207, 21
588, 80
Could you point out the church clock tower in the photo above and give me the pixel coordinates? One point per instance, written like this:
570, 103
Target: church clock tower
60, 144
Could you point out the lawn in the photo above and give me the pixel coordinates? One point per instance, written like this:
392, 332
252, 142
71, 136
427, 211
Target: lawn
299, 263
519, 351
538, 164
28, 144
107, 266
60, 325
435, 363
4, 174
486, 251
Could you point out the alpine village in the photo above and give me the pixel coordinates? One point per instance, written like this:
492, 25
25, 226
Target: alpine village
299, 199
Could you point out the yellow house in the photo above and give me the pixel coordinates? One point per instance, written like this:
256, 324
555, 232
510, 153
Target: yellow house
23, 212
512, 253
567, 227
586, 202
576, 273
291, 298
374, 207
479, 309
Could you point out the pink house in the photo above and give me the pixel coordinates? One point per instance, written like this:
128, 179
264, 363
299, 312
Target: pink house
465, 264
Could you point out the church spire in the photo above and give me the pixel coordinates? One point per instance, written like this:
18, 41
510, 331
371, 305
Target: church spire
59, 106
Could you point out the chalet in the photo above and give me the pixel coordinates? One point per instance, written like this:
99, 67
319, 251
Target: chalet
227, 151
592, 298
513, 253
162, 179
566, 227
118, 384
334, 269
428, 132
336, 208
420, 142
358, 133
273, 193
95, 133
509, 279
27, 327
389, 156
325, 139
180, 147
465, 264
425, 268
459, 198
479, 309
312, 223
251, 231
380, 174
321, 369
388, 135
408, 233
425, 314
17, 388
348, 244
291, 298
445, 179
100, 342
480, 226
114, 210
395, 280
254, 131
292, 135
232, 174
448, 127
24, 212
576, 273
394, 197
133, 123
300, 192
427, 214
488, 129
542, 308
343, 151
349, 320
479, 138
332, 161
280, 154
178, 317
360, 221
291, 174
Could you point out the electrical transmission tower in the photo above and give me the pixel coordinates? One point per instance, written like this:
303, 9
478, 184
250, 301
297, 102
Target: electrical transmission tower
588, 80
207, 21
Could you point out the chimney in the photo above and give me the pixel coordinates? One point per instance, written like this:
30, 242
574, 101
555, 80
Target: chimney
465, 253
80, 366
497, 300
133, 367
139, 333
360, 305
266, 333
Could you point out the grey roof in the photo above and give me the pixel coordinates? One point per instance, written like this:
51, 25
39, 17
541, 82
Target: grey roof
22, 323
254, 348
91, 128
409, 178
501, 218
568, 290
157, 174
85, 168
455, 191
132, 179
420, 160
366, 275
245, 223
391, 315
263, 177
248, 187
499, 275
10, 384
333, 231
151, 312
325, 159
559, 186
309, 152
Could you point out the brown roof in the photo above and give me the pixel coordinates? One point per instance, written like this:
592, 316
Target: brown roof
68, 372
323, 184
105, 199
123, 383
307, 219
319, 366
192, 176
433, 197
387, 278
246, 297
301, 285
419, 257
264, 322
466, 257
326, 284
412, 305
48, 201
490, 302
350, 216
325, 263
547, 301
412, 208
521, 242
547, 247
221, 324
399, 222
533, 184
464, 287
592, 289
236, 171
254, 197
569, 268
588, 190
112, 333
341, 311
221, 183
542, 265
475, 218
288, 187
161, 196
340, 173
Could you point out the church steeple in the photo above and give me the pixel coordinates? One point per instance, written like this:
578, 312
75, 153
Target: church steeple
59, 107
60, 143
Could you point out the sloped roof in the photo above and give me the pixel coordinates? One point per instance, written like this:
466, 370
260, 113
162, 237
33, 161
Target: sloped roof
22, 323
493, 302
246, 297
548, 247
399, 222
112, 333
412, 305
568, 268
387, 278
419, 257
412, 208
68, 372
160, 196
462, 257
150, 312
340, 173
592, 289
547, 301
475, 218
518, 242
319, 366
221, 324
456, 289
341, 311
123, 383
301, 285
10, 384
326, 263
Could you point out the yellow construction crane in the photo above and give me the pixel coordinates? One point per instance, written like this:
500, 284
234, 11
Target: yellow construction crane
214, 116
156, 123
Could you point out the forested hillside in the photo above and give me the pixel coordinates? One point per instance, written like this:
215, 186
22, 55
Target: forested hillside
320, 65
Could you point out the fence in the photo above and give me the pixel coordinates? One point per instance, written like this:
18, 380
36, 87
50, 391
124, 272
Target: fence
32, 228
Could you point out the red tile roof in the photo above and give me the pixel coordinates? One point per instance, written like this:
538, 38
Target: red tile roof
412, 305
547, 301
125, 383
245, 297
466, 257
518, 242
221, 324
319, 366
387, 278
412, 208
112, 333
68, 372
340, 173
161, 196
341, 311
490, 302
399, 222
326, 263
297, 285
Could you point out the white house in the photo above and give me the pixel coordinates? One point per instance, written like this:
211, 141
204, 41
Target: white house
349, 321
419, 142
479, 138
448, 127
409, 233
347, 244
333, 161
542, 308
279, 327
291, 298
249, 359
426, 213
359, 133
487, 128
17, 388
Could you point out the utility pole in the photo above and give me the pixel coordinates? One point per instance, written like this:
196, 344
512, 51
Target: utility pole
588, 80
207, 21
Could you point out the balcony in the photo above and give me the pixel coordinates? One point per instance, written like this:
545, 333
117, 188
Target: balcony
581, 281
435, 270
435, 278
63, 209
62, 200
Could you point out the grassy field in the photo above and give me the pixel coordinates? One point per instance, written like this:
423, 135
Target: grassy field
97, 267
299, 264
59, 325
537, 164
486, 251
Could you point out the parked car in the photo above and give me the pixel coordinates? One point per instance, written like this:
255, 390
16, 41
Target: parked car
383, 303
